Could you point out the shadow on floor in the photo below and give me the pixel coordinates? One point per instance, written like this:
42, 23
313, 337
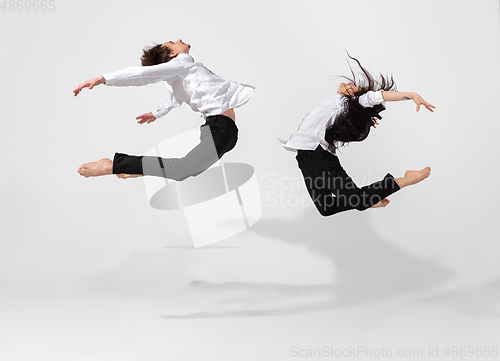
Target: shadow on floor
368, 269
475, 301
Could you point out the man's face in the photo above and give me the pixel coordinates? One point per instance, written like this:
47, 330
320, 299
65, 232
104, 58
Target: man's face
177, 47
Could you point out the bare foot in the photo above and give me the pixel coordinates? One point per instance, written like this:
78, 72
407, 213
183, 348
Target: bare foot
96, 169
126, 176
382, 203
413, 177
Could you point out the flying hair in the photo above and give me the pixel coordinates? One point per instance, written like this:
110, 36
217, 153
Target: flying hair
354, 122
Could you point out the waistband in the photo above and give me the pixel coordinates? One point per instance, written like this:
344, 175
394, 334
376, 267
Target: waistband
318, 152
219, 118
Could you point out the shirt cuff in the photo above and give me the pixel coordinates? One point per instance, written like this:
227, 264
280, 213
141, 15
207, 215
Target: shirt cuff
109, 79
161, 111
379, 99
156, 114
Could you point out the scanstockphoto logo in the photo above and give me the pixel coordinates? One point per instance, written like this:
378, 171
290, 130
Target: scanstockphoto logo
458, 352
217, 203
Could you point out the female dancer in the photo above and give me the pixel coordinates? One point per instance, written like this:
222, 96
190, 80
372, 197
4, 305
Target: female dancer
188, 82
338, 120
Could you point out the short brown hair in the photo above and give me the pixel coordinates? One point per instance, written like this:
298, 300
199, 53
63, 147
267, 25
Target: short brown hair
155, 55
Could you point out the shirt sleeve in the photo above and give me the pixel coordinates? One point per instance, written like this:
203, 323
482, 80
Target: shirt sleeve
170, 103
143, 75
371, 98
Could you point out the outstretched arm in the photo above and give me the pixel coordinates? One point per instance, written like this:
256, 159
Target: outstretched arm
135, 76
392, 96
89, 84
143, 75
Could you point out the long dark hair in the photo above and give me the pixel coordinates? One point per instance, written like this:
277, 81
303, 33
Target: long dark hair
354, 122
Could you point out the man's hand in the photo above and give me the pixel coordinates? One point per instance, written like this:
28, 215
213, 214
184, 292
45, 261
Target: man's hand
146, 118
90, 84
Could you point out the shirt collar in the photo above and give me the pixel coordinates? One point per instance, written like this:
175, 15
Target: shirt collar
186, 57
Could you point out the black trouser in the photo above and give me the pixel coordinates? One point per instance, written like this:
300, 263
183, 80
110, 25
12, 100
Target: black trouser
332, 190
217, 136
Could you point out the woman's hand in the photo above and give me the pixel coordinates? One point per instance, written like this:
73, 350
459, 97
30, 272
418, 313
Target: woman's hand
90, 84
148, 117
347, 89
419, 101
394, 96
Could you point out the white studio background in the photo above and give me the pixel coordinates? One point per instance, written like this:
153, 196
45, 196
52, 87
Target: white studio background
87, 267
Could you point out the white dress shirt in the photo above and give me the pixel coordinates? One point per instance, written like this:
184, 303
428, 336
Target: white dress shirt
187, 82
311, 131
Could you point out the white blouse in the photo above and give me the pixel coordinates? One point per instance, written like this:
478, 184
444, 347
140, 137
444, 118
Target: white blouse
311, 131
187, 82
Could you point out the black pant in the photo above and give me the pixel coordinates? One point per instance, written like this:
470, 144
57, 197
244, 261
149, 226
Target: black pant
332, 190
217, 136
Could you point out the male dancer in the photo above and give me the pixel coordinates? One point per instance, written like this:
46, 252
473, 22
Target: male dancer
188, 82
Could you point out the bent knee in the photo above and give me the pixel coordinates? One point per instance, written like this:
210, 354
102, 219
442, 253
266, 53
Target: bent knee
325, 211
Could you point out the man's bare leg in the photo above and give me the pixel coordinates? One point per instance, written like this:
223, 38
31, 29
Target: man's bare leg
105, 165
96, 169
102, 167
